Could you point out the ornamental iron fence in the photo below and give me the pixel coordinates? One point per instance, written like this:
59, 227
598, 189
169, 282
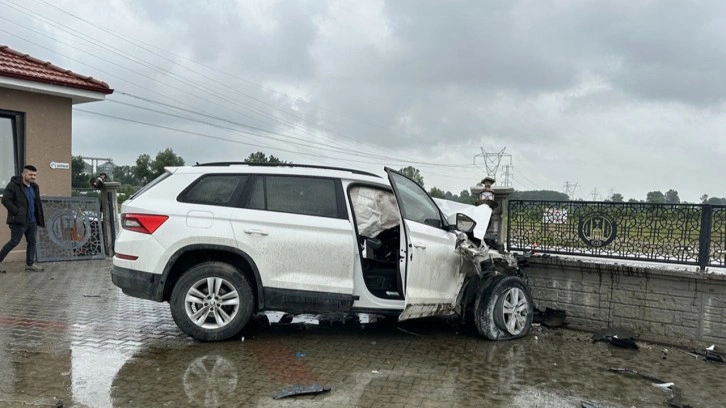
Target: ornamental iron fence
689, 234
72, 230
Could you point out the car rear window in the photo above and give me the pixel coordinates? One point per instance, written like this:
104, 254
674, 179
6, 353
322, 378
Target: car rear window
152, 183
214, 189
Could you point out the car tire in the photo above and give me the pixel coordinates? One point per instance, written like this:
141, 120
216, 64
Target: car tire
504, 309
212, 301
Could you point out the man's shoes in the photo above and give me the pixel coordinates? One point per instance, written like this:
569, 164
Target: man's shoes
34, 268
2, 269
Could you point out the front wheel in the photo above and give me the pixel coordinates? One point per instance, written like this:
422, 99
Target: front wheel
504, 310
212, 301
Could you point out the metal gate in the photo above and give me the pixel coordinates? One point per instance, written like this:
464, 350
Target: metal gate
72, 230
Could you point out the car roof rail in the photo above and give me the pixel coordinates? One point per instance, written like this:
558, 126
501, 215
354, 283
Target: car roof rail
307, 166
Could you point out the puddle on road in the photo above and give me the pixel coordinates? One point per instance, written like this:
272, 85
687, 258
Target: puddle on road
379, 365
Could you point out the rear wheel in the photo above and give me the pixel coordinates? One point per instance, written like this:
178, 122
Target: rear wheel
212, 301
504, 310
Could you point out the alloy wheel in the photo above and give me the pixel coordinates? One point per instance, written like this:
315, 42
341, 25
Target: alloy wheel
211, 303
514, 311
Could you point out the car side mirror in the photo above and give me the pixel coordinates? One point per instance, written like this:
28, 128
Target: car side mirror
464, 223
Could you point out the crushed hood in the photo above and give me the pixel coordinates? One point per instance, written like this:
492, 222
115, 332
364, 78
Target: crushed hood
482, 214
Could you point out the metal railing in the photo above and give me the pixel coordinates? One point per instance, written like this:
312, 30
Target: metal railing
688, 234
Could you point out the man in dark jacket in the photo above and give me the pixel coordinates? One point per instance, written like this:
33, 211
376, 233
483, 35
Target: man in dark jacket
25, 215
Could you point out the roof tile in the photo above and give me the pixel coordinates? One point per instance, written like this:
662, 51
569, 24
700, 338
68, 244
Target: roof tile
15, 64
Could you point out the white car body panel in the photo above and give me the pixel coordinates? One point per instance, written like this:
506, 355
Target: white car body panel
433, 280
294, 251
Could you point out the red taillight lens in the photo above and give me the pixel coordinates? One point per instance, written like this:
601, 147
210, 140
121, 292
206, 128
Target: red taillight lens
126, 257
143, 223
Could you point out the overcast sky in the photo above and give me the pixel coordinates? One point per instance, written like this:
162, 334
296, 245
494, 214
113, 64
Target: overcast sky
621, 96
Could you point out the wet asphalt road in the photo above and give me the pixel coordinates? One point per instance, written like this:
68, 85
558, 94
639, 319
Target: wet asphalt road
68, 334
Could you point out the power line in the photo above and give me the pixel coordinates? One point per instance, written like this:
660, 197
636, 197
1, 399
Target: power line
136, 42
532, 182
419, 163
336, 150
205, 135
205, 99
142, 63
97, 45
223, 86
317, 146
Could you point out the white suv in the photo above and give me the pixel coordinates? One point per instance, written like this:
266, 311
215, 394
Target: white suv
221, 241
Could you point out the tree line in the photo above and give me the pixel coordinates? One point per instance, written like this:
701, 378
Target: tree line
145, 169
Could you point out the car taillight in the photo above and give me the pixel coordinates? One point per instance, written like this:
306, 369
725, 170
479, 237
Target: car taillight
126, 257
143, 223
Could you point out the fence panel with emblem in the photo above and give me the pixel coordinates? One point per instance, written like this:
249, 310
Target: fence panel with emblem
673, 233
72, 230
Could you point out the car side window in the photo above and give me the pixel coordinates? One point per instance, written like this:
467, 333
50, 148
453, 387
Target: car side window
213, 189
297, 195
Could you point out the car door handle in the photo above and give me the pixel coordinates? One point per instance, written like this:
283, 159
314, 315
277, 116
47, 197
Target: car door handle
419, 245
256, 231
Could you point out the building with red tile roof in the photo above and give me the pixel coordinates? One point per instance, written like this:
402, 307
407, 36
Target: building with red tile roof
36, 122
21, 71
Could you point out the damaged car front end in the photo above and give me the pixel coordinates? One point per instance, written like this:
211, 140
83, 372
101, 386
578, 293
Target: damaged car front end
495, 295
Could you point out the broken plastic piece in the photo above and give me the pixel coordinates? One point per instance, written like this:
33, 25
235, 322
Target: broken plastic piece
709, 356
300, 389
408, 332
715, 357
665, 386
631, 371
673, 401
687, 353
620, 337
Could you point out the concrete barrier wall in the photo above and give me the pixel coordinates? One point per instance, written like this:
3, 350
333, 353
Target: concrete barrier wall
665, 306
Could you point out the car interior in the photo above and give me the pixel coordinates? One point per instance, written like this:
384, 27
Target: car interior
378, 223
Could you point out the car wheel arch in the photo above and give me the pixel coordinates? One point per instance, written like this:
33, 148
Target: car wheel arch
187, 257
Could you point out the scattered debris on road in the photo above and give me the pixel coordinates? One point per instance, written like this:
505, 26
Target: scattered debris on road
299, 389
635, 372
709, 355
550, 317
687, 353
673, 401
617, 336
